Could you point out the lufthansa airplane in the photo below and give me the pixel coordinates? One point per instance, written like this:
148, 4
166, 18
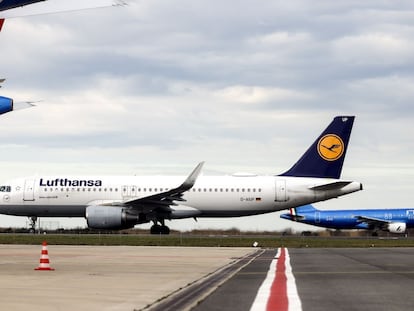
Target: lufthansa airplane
110, 202
392, 220
12, 4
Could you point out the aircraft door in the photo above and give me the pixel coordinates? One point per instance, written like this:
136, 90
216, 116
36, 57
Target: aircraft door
129, 192
28, 194
280, 190
125, 192
317, 217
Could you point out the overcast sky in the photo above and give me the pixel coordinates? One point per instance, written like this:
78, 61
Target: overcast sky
158, 86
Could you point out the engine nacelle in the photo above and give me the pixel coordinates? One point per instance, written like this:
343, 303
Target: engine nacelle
111, 217
6, 104
397, 227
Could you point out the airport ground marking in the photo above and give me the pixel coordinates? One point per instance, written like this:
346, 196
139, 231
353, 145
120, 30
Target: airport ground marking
278, 291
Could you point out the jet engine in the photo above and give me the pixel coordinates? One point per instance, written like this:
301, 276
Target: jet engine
397, 227
6, 104
111, 217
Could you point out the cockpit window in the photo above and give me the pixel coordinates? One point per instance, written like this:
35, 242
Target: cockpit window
5, 188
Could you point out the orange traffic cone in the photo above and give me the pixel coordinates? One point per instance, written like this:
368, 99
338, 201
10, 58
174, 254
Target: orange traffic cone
44, 259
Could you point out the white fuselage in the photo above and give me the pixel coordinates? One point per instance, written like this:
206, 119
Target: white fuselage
211, 196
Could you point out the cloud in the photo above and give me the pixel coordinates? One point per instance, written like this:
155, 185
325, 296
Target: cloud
161, 85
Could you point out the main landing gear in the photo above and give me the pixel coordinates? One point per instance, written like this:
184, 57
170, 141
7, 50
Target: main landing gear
32, 220
160, 229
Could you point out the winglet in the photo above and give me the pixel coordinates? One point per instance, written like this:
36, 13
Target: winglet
191, 179
1, 23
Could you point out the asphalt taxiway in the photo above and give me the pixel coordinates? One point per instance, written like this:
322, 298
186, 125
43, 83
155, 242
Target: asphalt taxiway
329, 279
173, 278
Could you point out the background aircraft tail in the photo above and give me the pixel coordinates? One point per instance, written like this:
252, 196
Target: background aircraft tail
1, 23
296, 213
325, 157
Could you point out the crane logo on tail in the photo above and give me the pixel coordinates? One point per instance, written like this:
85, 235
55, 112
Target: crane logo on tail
330, 147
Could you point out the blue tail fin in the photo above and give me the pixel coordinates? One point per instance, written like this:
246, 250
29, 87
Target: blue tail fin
305, 209
296, 213
325, 158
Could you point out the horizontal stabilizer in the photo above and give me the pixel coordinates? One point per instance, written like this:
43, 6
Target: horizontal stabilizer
56, 6
331, 186
23, 105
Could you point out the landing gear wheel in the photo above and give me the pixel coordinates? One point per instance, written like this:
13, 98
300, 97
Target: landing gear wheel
155, 229
158, 229
165, 230
32, 220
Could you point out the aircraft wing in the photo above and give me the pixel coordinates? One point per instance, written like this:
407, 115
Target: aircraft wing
163, 201
373, 222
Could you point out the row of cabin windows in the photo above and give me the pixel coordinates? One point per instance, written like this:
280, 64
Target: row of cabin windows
227, 190
200, 190
155, 189
82, 189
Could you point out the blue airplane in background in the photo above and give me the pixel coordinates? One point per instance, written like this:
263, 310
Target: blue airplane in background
392, 220
7, 104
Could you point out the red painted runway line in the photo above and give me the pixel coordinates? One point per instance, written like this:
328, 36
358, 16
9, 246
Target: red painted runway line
278, 299
278, 291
